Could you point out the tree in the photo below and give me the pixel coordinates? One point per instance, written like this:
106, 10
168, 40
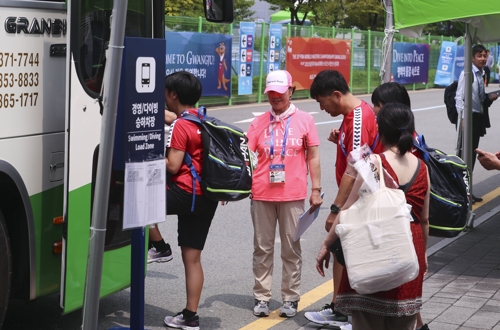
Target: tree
294, 7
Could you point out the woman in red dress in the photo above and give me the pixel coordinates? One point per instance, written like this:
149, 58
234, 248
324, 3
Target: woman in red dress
397, 308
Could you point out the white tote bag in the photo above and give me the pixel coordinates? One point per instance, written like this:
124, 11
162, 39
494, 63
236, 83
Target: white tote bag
377, 241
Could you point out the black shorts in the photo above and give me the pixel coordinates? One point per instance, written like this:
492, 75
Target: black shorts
192, 227
336, 249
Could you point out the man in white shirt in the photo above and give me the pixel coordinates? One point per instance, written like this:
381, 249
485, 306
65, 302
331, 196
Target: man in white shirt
480, 101
488, 67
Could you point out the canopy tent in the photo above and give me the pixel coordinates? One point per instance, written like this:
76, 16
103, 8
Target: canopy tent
483, 18
482, 21
284, 15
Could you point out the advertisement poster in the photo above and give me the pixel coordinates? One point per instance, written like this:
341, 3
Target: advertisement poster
247, 32
274, 55
446, 64
410, 62
459, 62
207, 56
305, 57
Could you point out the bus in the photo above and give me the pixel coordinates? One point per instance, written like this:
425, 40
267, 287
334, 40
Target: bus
52, 60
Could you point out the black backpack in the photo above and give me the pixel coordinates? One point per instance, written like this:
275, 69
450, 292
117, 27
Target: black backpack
450, 196
227, 163
449, 99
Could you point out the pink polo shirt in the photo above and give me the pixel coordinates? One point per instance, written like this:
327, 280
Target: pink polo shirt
259, 137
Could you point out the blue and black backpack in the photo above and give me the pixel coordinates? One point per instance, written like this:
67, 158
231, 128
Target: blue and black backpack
227, 162
450, 194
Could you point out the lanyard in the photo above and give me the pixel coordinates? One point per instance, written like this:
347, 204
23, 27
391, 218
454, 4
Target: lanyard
285, 137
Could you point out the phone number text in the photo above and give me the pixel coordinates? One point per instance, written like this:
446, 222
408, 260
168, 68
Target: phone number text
10, 100
18, 59
18, 79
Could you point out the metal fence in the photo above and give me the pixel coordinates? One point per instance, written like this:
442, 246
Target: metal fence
366, 55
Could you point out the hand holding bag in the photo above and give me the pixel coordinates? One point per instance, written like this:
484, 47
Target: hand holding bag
377, 240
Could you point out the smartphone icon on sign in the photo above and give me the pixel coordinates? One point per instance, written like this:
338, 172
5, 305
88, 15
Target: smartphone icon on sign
145, 73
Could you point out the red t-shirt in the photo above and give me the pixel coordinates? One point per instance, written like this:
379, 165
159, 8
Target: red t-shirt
358, 128
186, 136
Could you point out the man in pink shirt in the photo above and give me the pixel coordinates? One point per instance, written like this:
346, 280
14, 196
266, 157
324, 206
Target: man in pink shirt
286, 141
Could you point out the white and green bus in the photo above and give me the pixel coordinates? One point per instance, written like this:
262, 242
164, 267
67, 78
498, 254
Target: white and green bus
52, 59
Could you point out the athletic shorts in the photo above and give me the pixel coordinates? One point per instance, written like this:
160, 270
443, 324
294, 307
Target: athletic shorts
192, 227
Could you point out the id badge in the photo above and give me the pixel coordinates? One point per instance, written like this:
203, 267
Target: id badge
277, 173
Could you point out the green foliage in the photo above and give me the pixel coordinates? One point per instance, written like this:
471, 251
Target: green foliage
194, 8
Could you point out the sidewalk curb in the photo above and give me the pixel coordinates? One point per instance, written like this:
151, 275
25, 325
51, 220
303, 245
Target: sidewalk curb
446, 241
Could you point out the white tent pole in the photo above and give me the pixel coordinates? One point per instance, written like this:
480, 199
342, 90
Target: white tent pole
389, 35
467, 122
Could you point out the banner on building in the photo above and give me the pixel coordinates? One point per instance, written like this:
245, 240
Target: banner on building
207, 56
305, 57
410, 63
274, 55
247, 33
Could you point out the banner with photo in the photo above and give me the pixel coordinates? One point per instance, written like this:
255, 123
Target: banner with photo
410, 62
247, 33
274, 55
446, 64
305, 57
207, 56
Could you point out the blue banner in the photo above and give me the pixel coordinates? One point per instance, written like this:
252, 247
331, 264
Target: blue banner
140, 121
247, 33
459, 62
207, 56
446, 64
410, 62
274, 55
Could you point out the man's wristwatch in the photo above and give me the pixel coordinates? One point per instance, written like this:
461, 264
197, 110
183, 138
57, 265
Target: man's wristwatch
335, 209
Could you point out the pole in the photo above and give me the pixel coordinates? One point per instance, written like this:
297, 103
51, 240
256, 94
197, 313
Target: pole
389, 34
99, 213
467, 127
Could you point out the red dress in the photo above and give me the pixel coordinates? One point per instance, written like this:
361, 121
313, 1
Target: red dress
406, 299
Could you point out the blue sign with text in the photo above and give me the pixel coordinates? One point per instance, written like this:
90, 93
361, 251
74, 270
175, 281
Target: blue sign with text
247, 32
410, 62
446, 64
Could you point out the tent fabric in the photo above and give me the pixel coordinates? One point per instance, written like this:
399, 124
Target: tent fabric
283, 15
483, 17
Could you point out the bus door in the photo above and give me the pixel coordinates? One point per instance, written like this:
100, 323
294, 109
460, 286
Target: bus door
89, 36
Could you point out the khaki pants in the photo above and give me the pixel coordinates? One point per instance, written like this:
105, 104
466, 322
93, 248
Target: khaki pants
369, 321
265, 216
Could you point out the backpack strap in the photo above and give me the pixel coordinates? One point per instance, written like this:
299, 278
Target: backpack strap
196, 177
421, 146
202, 111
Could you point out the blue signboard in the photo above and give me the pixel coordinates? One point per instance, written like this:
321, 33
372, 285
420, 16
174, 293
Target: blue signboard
140, 120
247, 33
446, 64
459, 62
274, 55
410, 62
207, 56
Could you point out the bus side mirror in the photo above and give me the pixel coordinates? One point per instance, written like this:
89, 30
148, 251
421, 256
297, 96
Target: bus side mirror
219, 11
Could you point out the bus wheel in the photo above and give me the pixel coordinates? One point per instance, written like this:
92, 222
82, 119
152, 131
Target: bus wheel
5, 268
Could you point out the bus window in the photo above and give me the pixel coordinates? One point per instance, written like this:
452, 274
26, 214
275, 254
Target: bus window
93, 19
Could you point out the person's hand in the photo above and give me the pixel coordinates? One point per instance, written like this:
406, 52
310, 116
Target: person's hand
315, 201
493, 96
334, 136
323, 259
488, 160
426, 265
329, 221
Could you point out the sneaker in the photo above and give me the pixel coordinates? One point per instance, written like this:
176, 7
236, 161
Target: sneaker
261, 308
177, 321
326, 316
424, 327
155, 256
289, 308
